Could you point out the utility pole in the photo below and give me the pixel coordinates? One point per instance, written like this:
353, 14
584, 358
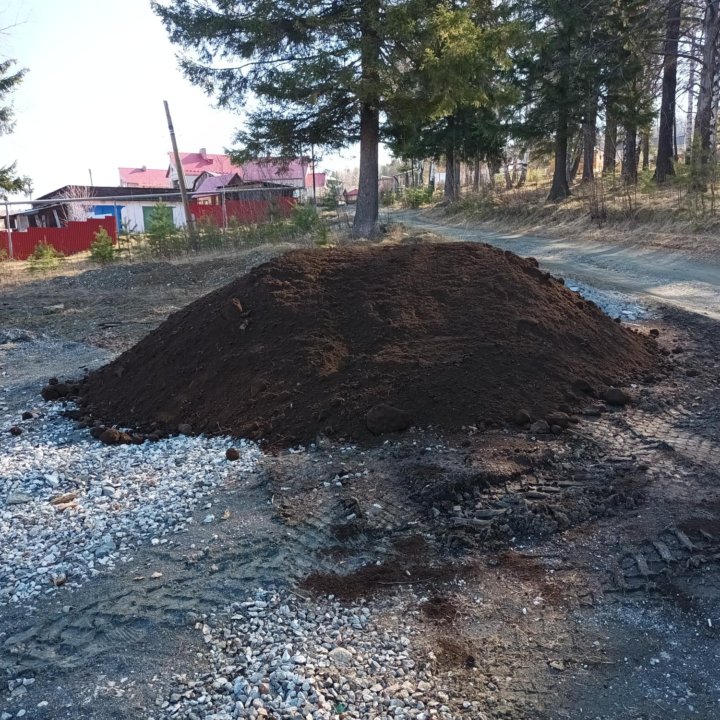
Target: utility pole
312, 159
181, 174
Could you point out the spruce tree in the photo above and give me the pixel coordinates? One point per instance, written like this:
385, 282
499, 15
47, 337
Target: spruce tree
9, 80
320, 70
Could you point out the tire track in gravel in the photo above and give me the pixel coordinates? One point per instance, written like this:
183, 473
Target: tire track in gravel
114, 613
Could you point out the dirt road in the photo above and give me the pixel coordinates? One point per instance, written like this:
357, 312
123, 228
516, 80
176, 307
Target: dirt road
654, 274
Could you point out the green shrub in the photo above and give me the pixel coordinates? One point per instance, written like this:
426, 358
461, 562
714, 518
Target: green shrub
44, 257
208, 236
163, 238
102, 250
305, 221
333, 193
388, 198
305, 218
415, 197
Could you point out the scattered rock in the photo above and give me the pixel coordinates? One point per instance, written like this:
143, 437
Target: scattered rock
616, 396
384, 418
522, 417
49, 393
690, 372
111, 436
232, 454
18, 498
64, 498
341, 657
15, 430
27, 415
185, 429
540, 427
558, 418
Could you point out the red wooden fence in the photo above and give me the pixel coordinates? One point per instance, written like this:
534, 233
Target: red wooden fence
244, 211
74, 238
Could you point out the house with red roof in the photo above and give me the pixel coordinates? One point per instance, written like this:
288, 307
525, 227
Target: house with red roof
297, 173
144, 177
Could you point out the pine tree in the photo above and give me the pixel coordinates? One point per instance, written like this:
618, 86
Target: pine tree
9, 80
454, 91
321, 70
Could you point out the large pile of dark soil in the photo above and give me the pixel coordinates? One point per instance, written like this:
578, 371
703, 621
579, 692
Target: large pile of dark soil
323, 341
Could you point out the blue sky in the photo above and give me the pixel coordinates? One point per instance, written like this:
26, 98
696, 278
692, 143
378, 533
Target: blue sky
98, 72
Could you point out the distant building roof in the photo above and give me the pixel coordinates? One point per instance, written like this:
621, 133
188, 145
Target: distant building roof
270, 169
106, 192
199, 162
274, 169
211, 183
144, 177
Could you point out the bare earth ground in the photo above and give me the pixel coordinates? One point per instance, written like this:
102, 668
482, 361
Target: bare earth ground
548, 577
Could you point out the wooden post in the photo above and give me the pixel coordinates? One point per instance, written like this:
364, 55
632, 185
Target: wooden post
181, 174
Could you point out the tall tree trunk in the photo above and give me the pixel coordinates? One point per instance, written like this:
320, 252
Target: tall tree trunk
645, 147
575, 154
476, 175
508, 177
523, 170
367, 209
610, 145
630, 156
691, 100
451, 182
664, 164
493, 168
560, 188
590, 139
702, 150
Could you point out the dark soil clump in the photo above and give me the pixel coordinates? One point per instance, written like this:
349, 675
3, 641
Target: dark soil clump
439, 608
355, 343
371, 579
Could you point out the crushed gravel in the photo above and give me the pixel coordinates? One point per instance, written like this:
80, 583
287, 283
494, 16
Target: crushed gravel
72, 508
615, 304
281, 656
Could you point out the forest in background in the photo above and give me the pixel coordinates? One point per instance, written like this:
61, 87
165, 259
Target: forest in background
620, 89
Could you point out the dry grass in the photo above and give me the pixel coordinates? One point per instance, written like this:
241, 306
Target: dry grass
671, 217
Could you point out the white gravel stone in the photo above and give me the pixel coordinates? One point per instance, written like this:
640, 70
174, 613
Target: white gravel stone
273, 658
155, 487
